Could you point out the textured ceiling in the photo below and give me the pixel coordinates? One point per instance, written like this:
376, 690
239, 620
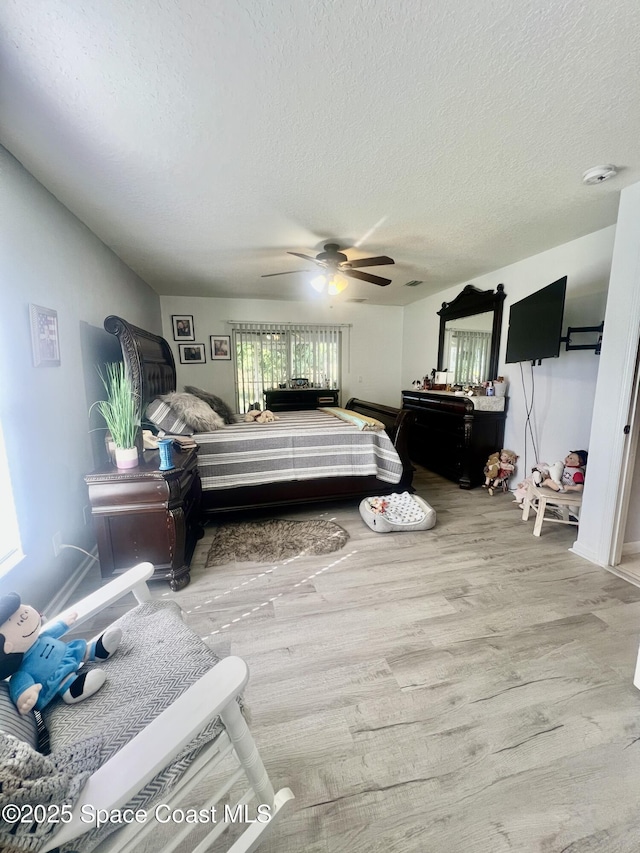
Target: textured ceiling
202, 139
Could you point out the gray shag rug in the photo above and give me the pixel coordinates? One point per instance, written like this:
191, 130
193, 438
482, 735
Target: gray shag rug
272, 540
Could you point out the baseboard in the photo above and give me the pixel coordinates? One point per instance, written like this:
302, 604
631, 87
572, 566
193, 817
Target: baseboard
621, 572
587, 554
63, 597
630, 548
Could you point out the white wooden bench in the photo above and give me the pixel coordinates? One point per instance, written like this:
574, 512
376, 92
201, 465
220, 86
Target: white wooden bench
539, 498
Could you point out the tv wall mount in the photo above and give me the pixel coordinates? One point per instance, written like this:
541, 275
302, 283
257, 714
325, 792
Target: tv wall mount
571, 330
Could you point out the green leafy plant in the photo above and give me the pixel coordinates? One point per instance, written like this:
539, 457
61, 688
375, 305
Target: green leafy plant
120, 410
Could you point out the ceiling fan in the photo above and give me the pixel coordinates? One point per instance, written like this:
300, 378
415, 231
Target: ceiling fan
335, 266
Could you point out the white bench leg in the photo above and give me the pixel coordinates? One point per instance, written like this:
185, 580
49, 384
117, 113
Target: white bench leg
542, 505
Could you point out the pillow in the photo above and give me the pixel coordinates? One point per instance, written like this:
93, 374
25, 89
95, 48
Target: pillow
193, 411
162, 416
28, 728
216, 403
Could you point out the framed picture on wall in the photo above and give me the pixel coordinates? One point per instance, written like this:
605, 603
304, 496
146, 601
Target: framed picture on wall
45, 344
192, 353
183, 328
220, 347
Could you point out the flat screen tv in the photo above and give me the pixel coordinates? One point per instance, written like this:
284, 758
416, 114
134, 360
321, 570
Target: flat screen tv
535, 324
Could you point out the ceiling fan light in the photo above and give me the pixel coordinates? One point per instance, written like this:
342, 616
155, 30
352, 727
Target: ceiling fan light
337, 284
318, 283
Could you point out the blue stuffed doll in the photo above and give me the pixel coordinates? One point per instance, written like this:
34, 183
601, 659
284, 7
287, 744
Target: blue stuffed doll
42, 666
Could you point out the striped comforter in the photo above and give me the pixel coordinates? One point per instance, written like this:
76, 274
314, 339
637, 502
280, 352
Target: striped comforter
298, 446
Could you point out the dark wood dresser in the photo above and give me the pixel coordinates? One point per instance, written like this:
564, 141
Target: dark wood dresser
452, 435
147, 514
297, 399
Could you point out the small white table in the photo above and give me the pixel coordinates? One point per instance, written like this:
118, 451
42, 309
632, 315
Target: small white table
539, 497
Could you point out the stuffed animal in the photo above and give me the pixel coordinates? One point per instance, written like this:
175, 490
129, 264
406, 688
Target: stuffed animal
564, 476
506, 465
42, 666
378, 505
259, 417
543, 471
567, 475
491, 469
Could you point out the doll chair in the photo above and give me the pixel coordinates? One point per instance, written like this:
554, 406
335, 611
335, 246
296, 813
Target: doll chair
539, 498
168, 714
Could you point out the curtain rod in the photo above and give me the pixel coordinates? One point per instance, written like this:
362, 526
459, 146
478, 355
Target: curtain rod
280, 324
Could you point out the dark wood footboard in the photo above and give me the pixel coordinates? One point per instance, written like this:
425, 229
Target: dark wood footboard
300, 492
397, 423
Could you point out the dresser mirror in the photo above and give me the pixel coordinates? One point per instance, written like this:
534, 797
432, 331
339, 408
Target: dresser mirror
469, 341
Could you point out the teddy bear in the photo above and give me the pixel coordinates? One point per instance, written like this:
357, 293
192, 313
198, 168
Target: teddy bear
258, 417
498, 470
491, 469
42, 666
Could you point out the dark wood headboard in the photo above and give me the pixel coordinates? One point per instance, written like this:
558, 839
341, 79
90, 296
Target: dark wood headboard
148, 357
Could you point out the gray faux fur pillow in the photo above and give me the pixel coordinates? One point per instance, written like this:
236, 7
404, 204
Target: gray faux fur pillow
216, 403
193, 411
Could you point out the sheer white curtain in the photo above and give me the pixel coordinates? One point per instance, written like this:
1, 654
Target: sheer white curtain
468, 353
267, 355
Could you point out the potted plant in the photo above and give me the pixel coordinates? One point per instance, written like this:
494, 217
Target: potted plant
121, 413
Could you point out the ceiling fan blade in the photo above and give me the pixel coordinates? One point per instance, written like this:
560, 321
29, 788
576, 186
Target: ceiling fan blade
371, 262
365, 276
288, 272
306, 257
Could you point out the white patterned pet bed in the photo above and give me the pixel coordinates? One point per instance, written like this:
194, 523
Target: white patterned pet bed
396, 512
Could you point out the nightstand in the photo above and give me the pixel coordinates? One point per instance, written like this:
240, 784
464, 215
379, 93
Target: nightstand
297, 399
147, 514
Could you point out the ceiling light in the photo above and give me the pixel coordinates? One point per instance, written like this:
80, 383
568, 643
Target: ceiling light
598, 174
337, 284
319, 282
334, 283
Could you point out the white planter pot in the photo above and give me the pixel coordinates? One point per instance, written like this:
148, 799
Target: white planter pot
126, 457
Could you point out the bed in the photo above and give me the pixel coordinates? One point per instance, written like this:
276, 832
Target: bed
230, 486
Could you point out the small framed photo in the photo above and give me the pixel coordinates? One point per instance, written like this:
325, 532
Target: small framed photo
192, 353
220, 347
45, 344
183, 328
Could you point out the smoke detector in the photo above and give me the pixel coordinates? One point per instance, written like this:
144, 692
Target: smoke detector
599, 174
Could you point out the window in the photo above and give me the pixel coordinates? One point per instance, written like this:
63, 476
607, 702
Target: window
10, 546
467, 355
271, 354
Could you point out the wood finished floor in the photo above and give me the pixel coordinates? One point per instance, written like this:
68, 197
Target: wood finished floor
467, 688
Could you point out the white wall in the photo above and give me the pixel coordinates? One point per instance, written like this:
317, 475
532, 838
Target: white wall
375, 341
48, 257
564, 387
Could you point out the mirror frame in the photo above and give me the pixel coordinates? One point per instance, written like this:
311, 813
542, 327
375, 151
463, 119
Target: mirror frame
468, 302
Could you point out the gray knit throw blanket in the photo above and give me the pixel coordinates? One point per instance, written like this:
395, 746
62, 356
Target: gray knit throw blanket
28, 779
